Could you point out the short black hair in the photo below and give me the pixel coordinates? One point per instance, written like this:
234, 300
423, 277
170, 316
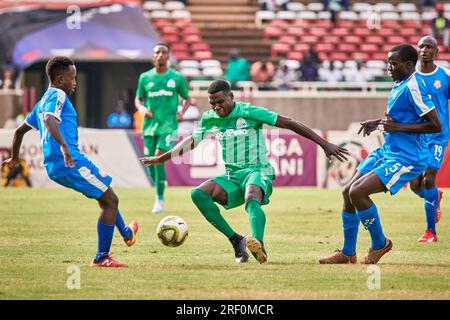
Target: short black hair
406, 53
219, 85
164, 44
57, 65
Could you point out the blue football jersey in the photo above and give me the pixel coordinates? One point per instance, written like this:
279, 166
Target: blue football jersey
55, 102
438, 86
408, 102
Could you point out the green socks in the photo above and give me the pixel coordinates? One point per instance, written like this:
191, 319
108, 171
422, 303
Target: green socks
257, 218
160, 181
211, 211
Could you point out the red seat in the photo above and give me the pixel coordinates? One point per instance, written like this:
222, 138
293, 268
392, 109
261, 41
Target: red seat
200, 47
192, 30
404, 32
390, 24
340, 31
379, 56
325, 47
161, 22
323, 23
181, 55
169, 30
353, 39
323, 56
301, 47
364, 56
171, 38
362, 32
346, 47
414, 39
192, 38
182, 23
374, 40
345, 23
272, 32
279, 23
179, 46
341, 56
331, 39
295, 55
368, 47
395, 40
443, 56
301, 23
309, 39
287, 39
279, 48
202, 55
385, 48
318, 31
411, 24
296, 31
386, 32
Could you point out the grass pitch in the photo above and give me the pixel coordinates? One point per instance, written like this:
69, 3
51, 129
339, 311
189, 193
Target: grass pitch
43, 232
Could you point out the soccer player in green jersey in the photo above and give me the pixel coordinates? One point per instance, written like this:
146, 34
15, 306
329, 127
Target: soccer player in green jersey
157, 99
248, 179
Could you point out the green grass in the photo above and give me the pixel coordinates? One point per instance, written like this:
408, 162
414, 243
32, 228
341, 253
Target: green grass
43, 231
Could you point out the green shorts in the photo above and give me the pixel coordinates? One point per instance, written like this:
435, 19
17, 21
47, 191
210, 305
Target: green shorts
162, 142
235, 183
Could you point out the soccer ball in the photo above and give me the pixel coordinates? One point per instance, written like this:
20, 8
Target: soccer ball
172, 231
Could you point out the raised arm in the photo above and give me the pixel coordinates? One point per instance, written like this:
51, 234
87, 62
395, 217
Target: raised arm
186, 145
431, 125
52, 126
17, 142
299, 128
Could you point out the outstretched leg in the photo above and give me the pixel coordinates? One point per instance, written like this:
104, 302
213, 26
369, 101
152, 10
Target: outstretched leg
204, 197
368, 214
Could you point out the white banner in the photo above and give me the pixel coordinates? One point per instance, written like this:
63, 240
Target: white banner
110, 150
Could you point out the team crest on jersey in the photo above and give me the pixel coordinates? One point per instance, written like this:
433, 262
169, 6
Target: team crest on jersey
171, 84
240, 123
150, 84
437, 84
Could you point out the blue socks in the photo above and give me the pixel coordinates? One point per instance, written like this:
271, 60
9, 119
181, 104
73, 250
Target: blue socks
431, 202
105, 235
125, 232
350, 226
371, 221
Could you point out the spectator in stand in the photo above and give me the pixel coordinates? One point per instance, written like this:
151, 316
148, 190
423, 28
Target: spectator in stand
345, 4
237, 68
7, 81
119, 119
335, 6
425, 3
439, 26
261, 73
308, 70
273, 5
360, 75
330, 74
314, 55
283, 77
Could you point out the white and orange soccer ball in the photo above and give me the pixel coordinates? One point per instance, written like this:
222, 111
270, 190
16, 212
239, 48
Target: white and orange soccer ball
172, 231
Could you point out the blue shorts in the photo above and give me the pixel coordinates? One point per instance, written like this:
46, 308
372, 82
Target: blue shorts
86, 179
394, 173
435, 155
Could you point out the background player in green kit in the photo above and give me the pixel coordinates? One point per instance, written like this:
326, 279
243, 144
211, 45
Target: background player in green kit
157, 99
248, 179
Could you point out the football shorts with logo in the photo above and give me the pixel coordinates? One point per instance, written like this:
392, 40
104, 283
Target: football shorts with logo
235, 182
163, 142
394, 173
435, 155
85, 178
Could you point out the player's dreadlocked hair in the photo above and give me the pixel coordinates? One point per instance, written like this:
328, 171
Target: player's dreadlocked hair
406, 52
56, 66
219, 85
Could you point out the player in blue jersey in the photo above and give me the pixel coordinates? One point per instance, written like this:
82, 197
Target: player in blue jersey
437, 80
56, 120
403, 156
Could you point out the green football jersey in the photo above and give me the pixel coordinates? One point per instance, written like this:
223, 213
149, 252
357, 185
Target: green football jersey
160, 95
240, 134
